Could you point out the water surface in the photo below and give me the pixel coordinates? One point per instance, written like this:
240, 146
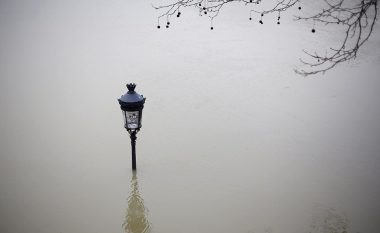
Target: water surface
232, 140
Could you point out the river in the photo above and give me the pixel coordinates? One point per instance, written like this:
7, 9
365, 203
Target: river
232, 140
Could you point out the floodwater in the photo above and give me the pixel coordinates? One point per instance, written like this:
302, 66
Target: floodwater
232, 139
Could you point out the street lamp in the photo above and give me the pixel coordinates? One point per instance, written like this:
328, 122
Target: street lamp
132, 104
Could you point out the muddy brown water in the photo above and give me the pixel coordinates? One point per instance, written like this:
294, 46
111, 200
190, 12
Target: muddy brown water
232, 140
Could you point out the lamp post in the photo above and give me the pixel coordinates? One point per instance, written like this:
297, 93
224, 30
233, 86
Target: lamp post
132, 104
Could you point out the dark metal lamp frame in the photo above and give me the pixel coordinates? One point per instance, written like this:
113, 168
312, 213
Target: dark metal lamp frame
132, 102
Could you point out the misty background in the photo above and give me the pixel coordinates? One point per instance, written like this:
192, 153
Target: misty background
232, 139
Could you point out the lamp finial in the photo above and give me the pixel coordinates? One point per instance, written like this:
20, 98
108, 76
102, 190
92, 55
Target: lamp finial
131, 87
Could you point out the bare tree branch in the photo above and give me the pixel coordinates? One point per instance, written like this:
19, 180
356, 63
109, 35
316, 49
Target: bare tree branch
358, 21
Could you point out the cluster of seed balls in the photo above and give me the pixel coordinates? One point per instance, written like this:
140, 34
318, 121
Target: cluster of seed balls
278, 19
250, 18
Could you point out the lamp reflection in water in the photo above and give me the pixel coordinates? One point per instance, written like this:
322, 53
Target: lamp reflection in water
136, 219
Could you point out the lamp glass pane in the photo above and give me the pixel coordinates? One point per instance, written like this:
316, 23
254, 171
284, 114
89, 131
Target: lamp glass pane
125, 118
132, 119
